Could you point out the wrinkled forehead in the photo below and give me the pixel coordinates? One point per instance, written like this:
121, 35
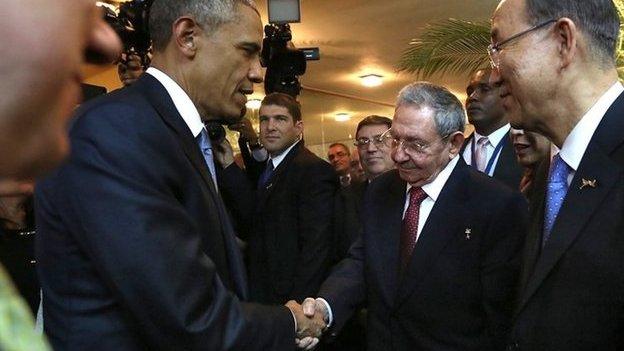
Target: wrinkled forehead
508, 18
371, 130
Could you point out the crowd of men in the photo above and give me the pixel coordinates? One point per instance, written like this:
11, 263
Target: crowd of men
149, 236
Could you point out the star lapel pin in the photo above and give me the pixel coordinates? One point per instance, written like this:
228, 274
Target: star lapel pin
468, 232
588, 183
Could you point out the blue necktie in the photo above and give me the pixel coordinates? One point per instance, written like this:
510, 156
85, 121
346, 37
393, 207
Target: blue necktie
266, 174
555, 193
206, 148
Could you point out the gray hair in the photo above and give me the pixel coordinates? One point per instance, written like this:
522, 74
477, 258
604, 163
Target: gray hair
449, 116
209, 13
597, 19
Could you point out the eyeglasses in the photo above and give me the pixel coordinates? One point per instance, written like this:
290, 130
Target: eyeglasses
494, 49
415, 147
377, 140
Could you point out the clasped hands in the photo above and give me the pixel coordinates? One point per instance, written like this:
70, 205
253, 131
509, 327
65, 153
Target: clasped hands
312, 318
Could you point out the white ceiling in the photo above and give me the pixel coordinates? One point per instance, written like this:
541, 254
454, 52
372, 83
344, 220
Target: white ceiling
355, 37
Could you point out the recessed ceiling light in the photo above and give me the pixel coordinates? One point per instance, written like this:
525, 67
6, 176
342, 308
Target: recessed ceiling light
253, 104
342, 117
371, 80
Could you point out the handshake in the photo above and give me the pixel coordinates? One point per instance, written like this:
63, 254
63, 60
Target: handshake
312, 318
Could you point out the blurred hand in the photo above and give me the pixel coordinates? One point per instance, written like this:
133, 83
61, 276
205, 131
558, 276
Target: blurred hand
246, 131
223, 153
309, 328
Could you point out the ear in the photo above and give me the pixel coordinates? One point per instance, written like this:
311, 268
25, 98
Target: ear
456, 141
567, 36
185, 32
299, 126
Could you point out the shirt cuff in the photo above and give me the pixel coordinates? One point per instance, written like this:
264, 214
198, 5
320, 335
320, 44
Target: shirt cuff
260, 154
330, 315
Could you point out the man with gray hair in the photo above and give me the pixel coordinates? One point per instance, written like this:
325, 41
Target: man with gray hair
436, 262
555, 63
135, 248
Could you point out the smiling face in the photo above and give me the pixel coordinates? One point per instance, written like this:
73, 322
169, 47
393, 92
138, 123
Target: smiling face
226, 65
527, 66
375, 157
40, 37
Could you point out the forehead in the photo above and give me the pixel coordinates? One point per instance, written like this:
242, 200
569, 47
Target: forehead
274, 110
336, 149
371, 130
481, 77
508, 19
414, 121
246, 27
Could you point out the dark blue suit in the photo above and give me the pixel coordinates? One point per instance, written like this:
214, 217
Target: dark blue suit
457, 291
134, 247
572, 290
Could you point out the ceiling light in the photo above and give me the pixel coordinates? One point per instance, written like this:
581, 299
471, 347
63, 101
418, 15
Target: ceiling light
253, 104
342, 117
371, 80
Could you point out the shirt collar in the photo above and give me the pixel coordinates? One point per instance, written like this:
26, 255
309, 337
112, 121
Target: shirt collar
434, 188
279, 158
181, 100
496, 136
576, 143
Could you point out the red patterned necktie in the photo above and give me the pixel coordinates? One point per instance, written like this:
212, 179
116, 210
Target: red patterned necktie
409, 229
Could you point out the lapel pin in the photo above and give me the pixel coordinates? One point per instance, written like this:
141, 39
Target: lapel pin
587, 183
269, 186
468, 231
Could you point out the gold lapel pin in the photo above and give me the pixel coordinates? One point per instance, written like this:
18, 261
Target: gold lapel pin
587, 182
468, 231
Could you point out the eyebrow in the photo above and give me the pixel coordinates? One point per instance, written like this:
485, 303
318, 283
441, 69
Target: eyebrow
250, 46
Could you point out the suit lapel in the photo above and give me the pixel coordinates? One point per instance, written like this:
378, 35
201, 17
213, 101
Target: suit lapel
507, 168
439, 229
579, 204
267, 190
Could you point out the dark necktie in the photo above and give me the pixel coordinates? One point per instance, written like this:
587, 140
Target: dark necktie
555, 194
266, 174
409, 229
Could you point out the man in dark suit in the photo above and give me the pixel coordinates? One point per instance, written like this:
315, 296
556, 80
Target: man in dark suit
289, 246
134, 247
555, 62
489, 149
436, 263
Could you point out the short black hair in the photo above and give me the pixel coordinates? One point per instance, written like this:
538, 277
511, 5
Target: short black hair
284, 100
598, 19
374, 120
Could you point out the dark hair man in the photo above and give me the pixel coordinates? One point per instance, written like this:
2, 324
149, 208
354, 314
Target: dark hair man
136, 250
374, 155
489, 148
435, 262
557, 60
289, 247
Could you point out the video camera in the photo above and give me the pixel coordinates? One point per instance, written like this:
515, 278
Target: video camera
131, 24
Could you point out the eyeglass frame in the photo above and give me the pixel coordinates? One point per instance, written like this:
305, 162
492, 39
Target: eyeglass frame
419, 148
494, 49
377, 140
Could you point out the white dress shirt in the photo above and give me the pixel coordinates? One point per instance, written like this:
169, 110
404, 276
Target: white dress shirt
494, 139
279, 158
577, 141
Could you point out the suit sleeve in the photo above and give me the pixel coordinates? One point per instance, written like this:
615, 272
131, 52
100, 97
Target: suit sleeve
500, 268
129, 221
315, 230
238, 196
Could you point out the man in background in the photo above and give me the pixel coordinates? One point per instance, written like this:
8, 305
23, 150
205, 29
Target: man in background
489, 148
339, 156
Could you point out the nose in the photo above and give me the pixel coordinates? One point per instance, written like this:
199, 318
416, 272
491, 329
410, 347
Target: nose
103, 45
371, 147
255, 71
398, 154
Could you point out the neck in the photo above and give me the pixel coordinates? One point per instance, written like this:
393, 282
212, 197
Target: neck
488, 129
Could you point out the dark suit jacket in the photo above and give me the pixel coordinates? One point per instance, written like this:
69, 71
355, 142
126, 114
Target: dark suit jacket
290, 244
456, 293
135, 251
347, 221
507, 169
572, 291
